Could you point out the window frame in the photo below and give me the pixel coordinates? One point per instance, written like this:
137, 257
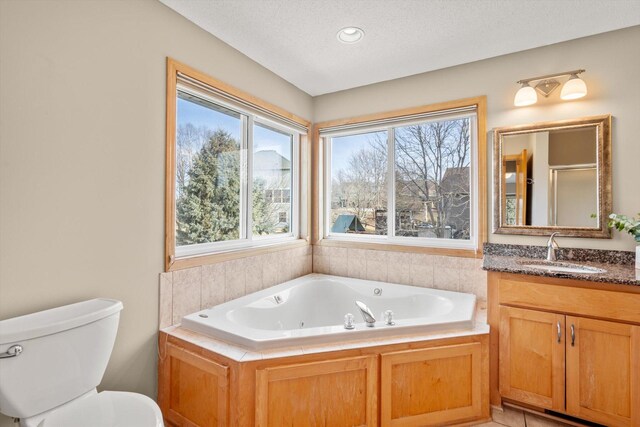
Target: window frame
389, 121
253, 111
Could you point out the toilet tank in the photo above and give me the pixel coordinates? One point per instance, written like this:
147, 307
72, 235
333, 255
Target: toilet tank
65, 352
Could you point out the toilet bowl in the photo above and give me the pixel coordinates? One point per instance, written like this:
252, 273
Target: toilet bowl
51, 363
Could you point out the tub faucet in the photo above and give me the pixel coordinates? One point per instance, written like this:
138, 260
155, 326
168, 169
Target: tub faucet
552, 247
366, 314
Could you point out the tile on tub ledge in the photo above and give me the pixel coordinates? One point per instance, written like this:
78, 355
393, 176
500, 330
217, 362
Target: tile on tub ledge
307, 266
399, 273
186, 292
376, 270
228, 350
165, 312
321, 264
447, 261
357, 266
421, 259
269, 271
339, 265
447, 279
213, 283
282, 352
322, 348
254, 277
235, 278
421, 275
251, 356
474, 282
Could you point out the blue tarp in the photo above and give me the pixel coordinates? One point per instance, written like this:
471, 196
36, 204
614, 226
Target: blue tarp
345, 223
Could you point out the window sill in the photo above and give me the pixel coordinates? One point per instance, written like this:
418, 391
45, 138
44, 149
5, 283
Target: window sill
385, 246
212, 258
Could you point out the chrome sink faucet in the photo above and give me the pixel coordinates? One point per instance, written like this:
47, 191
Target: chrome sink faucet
366, 314
552, 247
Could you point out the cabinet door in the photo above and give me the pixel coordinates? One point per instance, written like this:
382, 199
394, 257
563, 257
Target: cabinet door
193, 390
532, 357
340, 392
603, 371
433, 386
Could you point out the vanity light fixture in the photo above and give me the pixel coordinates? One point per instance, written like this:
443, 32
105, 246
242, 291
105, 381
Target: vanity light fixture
573, 88
526, 95
350, 35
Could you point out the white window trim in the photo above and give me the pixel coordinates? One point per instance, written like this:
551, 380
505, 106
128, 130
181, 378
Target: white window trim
390, 238
249, 117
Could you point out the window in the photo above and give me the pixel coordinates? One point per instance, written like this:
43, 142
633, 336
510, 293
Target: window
358, 183
407, 180
233, 181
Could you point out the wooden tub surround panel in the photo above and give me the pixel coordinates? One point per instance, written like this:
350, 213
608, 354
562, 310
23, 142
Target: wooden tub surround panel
434, 386
335, 392
198, 389
421, 383
566, 345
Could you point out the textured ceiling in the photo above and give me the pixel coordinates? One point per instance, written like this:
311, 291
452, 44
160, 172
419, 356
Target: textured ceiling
296, 39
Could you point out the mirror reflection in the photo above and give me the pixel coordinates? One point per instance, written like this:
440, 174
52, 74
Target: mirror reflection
553, 177
550, 178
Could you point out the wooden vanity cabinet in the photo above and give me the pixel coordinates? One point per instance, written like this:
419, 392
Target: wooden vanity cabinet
532, 361
603, 371
567, 361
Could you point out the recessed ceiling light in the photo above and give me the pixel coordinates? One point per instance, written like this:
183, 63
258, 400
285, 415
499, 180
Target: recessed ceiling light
350, 35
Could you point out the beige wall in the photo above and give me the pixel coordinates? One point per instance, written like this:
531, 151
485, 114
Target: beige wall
612, 61
82, 119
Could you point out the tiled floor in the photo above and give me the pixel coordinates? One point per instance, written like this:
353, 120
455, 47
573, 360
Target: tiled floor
516, 418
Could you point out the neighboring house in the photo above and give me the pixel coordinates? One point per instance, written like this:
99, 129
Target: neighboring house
413, 214
274, 171
455, 186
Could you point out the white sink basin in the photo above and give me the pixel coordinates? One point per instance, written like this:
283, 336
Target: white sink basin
561, 267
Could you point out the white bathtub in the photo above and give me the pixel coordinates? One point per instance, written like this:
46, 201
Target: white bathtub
311, 309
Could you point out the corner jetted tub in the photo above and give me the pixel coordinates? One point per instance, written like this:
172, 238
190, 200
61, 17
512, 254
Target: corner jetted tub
311, 310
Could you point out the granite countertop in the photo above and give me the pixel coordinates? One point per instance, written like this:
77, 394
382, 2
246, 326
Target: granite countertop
619, 265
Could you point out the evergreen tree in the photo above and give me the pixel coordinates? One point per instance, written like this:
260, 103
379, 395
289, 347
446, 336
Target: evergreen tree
208, 209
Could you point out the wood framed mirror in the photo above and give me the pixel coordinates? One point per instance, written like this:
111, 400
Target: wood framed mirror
553, 177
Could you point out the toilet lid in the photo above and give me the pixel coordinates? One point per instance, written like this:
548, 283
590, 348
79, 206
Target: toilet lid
108, 409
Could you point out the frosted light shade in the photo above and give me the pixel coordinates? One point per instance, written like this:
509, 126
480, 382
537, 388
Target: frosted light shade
574, 88
526, 95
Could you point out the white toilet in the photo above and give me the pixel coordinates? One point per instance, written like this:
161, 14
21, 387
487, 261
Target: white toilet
51, 363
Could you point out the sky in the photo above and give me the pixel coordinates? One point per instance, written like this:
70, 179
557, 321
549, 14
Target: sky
263, 138
344, 146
